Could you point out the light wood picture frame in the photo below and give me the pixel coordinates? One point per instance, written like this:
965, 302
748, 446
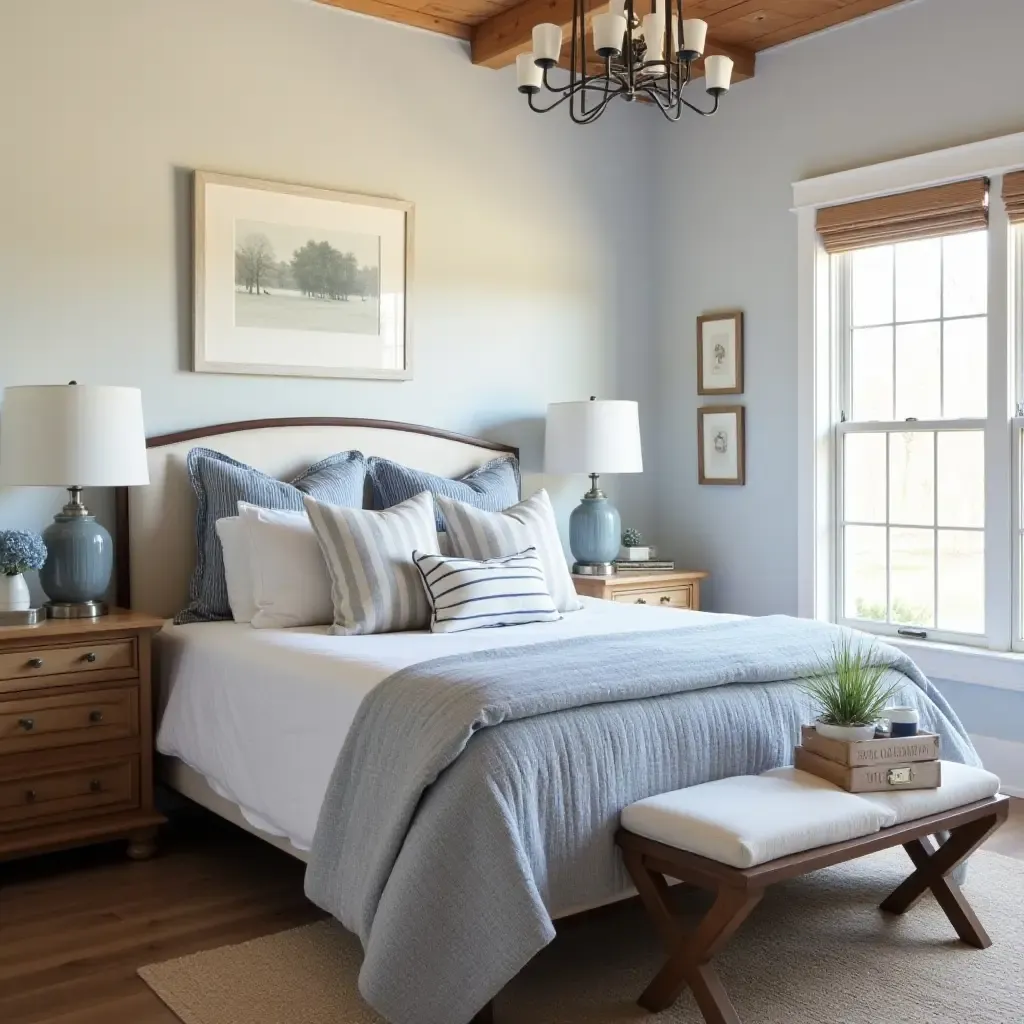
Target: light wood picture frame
721, 444
720, 353
298, 281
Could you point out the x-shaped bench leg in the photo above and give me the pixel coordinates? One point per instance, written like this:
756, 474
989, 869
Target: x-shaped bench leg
690, 954
934, 864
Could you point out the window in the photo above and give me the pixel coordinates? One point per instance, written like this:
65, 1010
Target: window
911, 325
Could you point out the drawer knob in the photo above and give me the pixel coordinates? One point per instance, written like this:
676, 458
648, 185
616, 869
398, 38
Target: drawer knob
95, 717
666, 600
90, 657
95, 786
30, 796
35, 662
641, 600
27, 724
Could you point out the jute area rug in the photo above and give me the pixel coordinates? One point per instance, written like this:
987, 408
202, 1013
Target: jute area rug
816, 951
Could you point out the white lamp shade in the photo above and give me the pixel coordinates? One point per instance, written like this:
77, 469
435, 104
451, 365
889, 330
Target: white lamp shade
695, 34
547, 41
528, 75
717, 72
654, 35
609, 31
72, 435
593, 437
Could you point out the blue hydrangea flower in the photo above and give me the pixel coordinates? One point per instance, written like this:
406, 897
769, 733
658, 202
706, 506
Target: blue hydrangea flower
20, 550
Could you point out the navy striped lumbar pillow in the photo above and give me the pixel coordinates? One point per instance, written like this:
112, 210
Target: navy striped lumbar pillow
466, 593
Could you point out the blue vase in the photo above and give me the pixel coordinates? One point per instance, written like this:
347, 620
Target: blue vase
594, 530
79, 560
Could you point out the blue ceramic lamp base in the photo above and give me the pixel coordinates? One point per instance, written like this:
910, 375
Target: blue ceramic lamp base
594, 531
79, 561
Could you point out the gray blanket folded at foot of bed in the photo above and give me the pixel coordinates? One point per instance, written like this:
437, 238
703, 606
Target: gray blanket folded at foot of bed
476, 796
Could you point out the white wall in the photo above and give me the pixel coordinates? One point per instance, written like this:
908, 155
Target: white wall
915, 78
522, 294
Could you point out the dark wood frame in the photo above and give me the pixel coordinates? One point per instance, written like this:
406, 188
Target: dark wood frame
737, 317
121, 520
738, 891
741, 441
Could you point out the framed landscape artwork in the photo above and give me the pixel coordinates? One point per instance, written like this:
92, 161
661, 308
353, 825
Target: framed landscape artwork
721, 444
720, 354
300, 281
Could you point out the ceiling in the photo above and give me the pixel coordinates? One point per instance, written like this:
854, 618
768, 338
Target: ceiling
500, 29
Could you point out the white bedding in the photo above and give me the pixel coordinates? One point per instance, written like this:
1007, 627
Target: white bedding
262, 714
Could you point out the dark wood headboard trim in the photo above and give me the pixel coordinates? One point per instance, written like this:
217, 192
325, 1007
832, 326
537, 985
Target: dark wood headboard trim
121, 525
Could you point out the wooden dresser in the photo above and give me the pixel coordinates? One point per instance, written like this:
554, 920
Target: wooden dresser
76, 734
665, 589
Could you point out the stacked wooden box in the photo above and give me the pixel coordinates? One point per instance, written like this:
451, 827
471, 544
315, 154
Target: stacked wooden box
872, 766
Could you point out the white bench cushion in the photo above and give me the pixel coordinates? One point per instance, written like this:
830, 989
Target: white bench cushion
750, 819
961, 784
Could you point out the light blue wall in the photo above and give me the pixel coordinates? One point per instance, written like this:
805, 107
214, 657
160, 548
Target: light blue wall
985, 710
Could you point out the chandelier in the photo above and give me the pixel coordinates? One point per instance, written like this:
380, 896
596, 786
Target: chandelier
641, 60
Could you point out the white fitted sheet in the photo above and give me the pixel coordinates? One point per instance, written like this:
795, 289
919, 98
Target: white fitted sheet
263, 714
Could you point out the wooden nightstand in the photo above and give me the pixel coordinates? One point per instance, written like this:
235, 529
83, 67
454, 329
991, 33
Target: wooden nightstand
76, 734
666, 589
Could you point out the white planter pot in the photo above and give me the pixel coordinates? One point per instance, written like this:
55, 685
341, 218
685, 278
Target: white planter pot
14, 595
849, 733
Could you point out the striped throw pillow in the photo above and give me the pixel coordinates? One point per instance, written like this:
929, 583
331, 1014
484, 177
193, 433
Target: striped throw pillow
474, 533
375, 585
468, 594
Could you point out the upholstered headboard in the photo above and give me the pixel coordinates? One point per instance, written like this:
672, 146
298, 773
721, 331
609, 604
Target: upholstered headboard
156, 542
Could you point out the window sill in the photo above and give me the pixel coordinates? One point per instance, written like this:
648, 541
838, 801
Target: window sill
1003, 670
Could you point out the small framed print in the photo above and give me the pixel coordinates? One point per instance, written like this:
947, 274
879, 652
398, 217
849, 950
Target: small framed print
721, 444
720, 354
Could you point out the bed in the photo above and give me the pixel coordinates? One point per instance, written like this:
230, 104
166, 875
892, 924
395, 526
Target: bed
453, 793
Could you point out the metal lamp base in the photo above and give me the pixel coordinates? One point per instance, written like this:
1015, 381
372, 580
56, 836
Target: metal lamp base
76, 609
594, 568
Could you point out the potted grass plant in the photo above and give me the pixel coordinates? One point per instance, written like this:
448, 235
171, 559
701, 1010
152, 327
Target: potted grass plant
849, 690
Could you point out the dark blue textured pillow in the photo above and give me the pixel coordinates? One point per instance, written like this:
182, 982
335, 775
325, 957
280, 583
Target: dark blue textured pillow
221, 483
493, 487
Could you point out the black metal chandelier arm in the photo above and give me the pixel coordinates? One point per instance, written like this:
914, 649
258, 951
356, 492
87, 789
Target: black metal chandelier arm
585, 83
696, 109
671, 109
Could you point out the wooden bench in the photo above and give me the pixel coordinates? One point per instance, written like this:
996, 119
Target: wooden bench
739, 890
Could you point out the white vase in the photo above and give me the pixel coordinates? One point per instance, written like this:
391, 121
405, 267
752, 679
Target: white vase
14, 595
849, 733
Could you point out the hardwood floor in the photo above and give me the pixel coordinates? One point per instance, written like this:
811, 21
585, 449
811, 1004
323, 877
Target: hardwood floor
74, 927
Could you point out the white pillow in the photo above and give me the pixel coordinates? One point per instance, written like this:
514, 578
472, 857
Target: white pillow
236, 568
474, 533
290, 584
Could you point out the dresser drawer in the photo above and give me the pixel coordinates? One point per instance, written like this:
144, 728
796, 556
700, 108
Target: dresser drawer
68, 793
63, 721
23, 669
669, 597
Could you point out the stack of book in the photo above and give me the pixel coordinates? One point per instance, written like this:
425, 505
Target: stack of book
872, 766
649, 565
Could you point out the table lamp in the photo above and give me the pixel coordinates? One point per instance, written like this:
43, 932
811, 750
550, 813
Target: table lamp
74, 436
593, 437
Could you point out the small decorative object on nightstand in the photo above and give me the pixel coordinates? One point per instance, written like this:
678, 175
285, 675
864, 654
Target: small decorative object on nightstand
633, 548
74, 436
20, 551
76, 735
659, 589
593, 437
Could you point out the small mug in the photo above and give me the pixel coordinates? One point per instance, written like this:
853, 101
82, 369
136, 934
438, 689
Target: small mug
902, 721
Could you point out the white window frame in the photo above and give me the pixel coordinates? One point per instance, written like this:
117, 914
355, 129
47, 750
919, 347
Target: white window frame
819, 406
1017, 525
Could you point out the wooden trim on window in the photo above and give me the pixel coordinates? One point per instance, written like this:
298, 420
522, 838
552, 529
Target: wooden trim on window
924, 213
1013, 196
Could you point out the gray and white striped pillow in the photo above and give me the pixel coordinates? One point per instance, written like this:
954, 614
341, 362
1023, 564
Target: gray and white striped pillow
465, 593
474, 533
375, 585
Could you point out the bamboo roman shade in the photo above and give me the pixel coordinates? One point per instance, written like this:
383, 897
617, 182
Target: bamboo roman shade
925, 213
1013, 196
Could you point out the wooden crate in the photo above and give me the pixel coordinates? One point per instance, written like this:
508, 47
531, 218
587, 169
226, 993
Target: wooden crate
924, 746
886, 778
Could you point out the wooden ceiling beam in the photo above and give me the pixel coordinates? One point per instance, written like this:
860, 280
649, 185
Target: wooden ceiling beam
497, 41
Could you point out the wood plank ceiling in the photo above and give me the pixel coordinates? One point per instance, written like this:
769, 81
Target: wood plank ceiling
500, 29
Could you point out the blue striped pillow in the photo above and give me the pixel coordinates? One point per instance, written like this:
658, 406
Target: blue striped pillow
220, 483
492, 487
465, 593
